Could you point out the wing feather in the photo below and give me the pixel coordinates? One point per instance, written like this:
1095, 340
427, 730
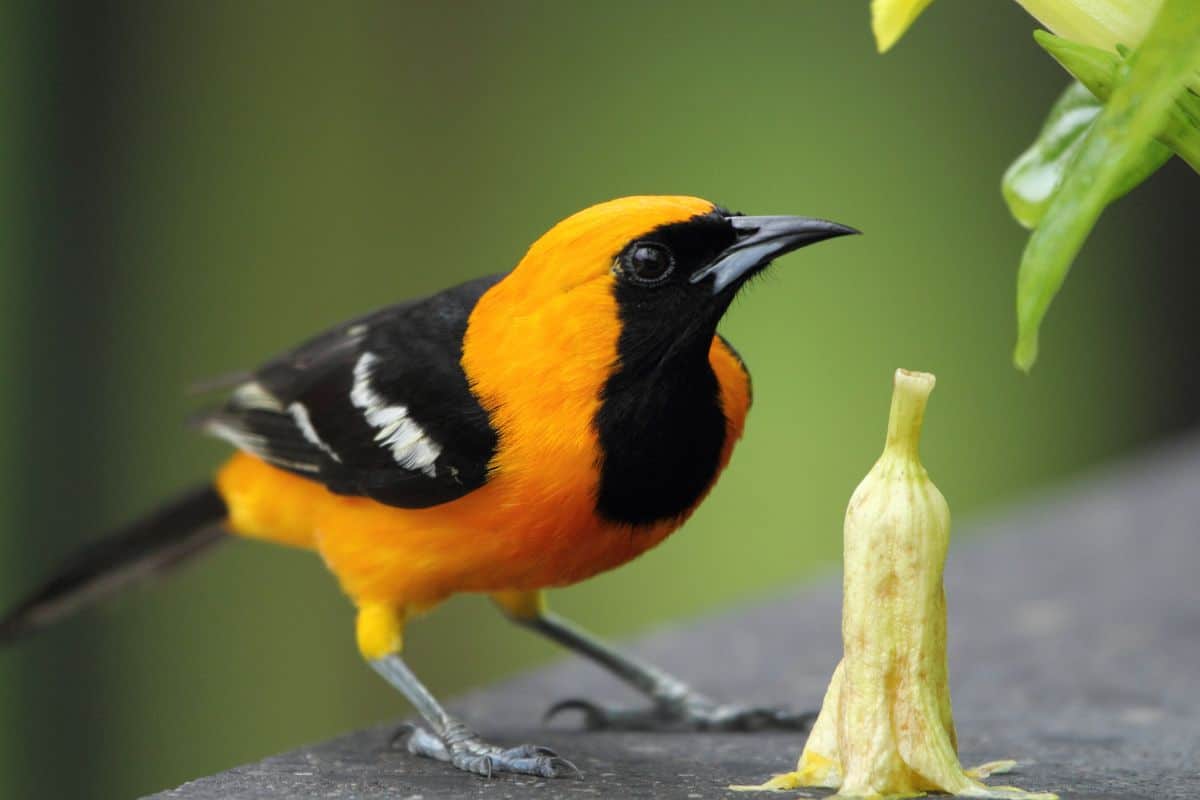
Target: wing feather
378, 407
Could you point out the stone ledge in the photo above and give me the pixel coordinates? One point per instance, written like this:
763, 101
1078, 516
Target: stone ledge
1074, 648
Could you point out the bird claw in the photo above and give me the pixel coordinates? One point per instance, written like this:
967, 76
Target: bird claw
403, 733
593, 715
468, 752
691, 712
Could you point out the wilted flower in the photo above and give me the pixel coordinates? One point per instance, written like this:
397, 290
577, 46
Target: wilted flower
885, 727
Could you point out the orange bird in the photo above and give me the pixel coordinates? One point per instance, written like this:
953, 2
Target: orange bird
512, 434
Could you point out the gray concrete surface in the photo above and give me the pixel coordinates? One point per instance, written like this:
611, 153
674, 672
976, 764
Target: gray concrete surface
1074, 648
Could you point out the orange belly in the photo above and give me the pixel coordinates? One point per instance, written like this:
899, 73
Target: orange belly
491, 540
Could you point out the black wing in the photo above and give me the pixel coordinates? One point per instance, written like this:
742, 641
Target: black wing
378, 407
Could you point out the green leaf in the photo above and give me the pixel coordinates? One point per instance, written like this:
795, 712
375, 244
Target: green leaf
1032, 180
1138, 109
1101, 70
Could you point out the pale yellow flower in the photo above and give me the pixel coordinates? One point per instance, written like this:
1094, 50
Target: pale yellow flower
1099, 23
891, 18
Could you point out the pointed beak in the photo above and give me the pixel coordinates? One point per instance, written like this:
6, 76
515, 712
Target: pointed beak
762, 239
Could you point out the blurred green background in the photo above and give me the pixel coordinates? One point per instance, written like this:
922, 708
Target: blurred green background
190, 187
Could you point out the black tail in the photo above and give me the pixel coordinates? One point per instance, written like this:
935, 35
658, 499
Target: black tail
150, 546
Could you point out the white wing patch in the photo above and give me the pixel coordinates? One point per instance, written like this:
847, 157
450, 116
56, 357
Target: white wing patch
411, 447
304, 423
253, 395
254, 444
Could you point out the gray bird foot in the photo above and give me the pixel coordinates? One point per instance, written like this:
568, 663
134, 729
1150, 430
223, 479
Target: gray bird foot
465, 750
689, 712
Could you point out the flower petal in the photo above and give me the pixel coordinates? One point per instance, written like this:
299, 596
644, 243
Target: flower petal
891, 18
1099, 23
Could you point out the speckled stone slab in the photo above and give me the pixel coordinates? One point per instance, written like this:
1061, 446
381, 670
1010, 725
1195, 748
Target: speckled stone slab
1074, 648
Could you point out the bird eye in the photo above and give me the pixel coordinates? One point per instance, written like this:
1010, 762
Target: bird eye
647, 263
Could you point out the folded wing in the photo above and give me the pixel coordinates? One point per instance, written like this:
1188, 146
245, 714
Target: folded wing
379, 407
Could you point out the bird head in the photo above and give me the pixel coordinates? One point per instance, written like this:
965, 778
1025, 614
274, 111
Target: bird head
600, 342
672, 263
667, 245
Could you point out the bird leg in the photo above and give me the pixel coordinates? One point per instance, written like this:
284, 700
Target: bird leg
674, 705
447, 739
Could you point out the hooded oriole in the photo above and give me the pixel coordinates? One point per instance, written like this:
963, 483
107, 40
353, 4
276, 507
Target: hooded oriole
514, 433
